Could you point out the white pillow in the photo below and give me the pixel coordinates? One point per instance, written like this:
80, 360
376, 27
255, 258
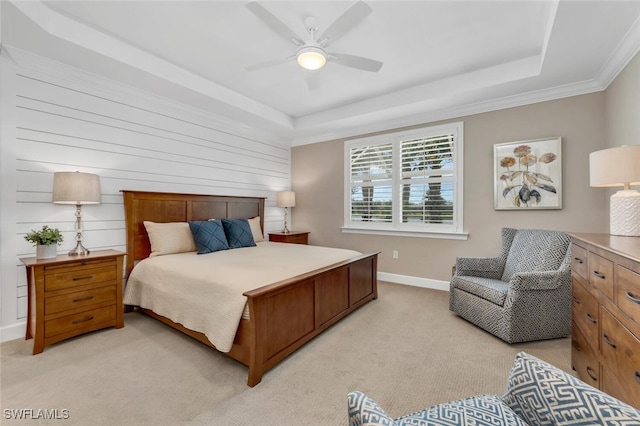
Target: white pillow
256, 230
168, 238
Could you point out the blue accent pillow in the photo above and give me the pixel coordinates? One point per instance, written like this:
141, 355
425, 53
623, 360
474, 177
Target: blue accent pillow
209, 236
238, 233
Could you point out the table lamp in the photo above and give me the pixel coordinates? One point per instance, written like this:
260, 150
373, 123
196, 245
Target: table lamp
79, 189
619, 166
286, 199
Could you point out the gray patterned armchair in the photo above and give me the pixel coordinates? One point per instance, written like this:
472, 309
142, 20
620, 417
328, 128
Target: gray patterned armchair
521, 295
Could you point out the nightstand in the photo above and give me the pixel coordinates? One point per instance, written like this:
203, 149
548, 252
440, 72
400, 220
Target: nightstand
73, 295
293, 237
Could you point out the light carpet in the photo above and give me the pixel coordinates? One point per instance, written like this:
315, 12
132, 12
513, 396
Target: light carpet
406, 350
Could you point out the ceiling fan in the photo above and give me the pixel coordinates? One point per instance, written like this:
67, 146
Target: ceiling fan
312, 54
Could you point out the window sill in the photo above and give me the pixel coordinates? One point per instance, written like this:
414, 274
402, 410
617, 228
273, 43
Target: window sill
414, 234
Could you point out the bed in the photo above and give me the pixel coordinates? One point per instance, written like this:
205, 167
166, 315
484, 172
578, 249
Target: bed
280, 316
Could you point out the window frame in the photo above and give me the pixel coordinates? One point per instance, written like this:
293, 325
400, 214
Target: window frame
396, 226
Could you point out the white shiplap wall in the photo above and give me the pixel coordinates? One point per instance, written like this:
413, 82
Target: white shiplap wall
62, 119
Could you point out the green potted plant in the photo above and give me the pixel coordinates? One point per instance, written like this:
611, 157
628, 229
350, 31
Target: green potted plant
45, 241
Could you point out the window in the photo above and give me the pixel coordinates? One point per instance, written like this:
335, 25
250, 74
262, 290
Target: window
405, 183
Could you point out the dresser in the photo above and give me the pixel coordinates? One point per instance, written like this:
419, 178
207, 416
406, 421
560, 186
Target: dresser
605, 336
293, 237
73, 295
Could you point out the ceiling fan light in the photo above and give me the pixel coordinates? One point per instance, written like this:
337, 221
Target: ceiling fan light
311, 58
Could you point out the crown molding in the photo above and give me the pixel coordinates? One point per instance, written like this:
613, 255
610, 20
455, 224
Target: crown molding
626, 50
455, 112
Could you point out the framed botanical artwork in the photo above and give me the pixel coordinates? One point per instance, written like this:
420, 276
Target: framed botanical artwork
528, 174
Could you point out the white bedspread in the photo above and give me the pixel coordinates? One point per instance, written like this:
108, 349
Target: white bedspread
204, 292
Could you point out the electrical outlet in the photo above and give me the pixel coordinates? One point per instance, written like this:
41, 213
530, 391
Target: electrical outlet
395, 254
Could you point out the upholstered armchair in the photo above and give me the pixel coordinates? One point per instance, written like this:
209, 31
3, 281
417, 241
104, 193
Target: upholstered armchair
521, 295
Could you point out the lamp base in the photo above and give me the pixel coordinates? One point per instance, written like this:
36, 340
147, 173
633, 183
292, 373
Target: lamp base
624, 215
79, 250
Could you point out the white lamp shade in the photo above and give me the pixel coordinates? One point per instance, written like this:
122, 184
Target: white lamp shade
615, 166
76, 188
286, 199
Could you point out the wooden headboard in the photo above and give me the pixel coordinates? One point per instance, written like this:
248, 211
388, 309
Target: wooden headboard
172, 207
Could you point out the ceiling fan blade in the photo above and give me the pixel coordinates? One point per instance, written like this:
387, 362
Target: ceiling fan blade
358, 62
267, 64
274, 23
345, 23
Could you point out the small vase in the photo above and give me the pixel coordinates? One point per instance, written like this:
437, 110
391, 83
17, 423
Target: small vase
46, 252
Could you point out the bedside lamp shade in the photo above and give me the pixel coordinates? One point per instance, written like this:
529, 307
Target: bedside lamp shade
613, 167
76, 188
286, 199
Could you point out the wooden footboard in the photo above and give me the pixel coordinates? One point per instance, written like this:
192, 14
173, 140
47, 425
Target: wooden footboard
286, 315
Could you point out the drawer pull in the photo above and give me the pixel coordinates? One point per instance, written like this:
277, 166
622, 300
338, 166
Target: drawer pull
82, 299
633, 299
636, 374
590, 318
83, 320
576, 347
599, 275
591, 374
577, 260
86, 277
575, 300
607, 341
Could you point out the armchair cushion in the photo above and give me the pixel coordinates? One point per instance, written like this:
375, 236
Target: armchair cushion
492, 290
534, 250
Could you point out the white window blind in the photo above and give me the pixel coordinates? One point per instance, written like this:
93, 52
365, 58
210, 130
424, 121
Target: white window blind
406, 181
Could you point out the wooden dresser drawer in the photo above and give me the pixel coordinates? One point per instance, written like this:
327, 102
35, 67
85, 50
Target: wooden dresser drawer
627, 290
88, 296
579, 260
81, 322
75, 277
583, 358
601, 274
611, 385
621, 351
585, 311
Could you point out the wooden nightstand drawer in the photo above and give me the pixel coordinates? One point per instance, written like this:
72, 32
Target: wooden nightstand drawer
81, 322
80, 299
75, 277
601, 274
70, 295
293, 237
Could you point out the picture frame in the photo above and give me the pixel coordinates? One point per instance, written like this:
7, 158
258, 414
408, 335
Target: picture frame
528, 174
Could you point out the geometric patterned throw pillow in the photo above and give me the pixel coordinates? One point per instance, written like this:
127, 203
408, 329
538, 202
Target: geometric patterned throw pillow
542, 394
208, 236
238, 233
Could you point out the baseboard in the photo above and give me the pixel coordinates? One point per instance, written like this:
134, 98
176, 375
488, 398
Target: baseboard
12, 332
414, 281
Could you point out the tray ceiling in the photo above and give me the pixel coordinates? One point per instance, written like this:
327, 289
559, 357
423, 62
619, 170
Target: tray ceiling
441, 58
